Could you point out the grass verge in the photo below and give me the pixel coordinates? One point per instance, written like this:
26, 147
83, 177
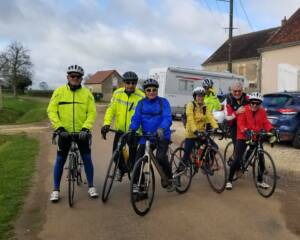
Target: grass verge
17, 165
18, 110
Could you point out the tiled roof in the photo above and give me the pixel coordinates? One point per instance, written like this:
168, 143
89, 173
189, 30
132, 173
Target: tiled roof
243, 46
288, 33
100, 76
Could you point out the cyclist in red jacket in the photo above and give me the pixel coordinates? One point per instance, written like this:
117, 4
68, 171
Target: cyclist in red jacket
254, 119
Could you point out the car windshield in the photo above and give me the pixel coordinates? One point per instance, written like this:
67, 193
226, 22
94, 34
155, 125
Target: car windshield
275, 100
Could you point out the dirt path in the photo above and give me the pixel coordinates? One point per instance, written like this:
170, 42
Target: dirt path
198, 214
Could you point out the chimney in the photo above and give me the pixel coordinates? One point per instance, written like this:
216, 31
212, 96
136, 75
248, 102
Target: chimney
283, 21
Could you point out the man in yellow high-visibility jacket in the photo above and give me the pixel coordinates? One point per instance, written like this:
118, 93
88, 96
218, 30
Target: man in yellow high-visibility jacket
121, 109
72, 109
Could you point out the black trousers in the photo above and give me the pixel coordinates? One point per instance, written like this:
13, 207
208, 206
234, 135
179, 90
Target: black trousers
240, 149
132, 152
161, 156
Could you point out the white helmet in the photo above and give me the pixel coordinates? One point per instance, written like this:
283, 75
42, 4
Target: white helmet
198, 91
75, 69
255, 96
219, 116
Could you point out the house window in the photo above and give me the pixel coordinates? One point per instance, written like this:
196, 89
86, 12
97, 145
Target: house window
185, 85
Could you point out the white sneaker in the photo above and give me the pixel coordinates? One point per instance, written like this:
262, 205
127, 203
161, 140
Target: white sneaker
54, 197
263, 185
119, 175
228, 186
93, 192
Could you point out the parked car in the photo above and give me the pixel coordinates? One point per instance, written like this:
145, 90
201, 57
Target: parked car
283, 110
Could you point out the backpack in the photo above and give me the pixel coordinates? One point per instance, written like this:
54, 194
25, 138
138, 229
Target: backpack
184, 117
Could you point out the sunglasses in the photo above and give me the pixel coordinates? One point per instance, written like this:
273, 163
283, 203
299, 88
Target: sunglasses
130, 83
148, 90
255, 103
75, 76
237, 91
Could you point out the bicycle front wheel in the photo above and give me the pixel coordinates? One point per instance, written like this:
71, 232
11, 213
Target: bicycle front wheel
71, 179
110, 175
228, 153
142, 186
264, 174
216, 171
182, 171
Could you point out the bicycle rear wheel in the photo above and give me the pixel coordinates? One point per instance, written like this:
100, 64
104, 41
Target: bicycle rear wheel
79, 176
216, 171
142, 186
181, 170
264, 171
71, 179
110, 175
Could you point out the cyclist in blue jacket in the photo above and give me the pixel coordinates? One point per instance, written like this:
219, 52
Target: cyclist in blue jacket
153, 114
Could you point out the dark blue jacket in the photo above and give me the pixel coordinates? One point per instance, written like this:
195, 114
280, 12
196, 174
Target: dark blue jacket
152, 116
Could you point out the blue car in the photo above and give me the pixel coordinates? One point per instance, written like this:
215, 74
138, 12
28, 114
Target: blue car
283, 110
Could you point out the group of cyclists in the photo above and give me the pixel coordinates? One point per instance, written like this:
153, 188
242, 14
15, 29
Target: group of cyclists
136, 112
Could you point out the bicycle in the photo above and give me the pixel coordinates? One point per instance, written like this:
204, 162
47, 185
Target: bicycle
121, 150
75, 165
207, 157
262, 163
142, 184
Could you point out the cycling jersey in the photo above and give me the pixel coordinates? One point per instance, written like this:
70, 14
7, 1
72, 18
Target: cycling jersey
211, 100
122, 108
72, 110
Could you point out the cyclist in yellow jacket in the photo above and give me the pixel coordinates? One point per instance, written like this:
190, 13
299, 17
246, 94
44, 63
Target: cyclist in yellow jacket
121, 109
72, 109
198, 117
210, 99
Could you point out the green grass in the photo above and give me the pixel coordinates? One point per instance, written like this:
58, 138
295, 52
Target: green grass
18, 110
17, 158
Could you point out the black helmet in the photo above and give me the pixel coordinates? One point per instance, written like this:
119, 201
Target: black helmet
207, 83
150, 82
130, 76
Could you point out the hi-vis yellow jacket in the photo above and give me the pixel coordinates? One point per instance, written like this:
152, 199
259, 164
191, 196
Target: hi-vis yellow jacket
197, 120
211, 100
122, 107
72, 110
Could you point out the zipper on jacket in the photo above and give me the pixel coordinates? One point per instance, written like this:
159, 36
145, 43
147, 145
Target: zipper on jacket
126, 112
73, 111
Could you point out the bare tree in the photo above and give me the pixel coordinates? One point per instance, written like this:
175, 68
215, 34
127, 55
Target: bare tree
43, 86
16, 68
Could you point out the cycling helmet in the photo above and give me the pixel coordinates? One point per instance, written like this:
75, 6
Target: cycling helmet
207, 83
130, 76
198, 91
255, 96
150, 82
75, 69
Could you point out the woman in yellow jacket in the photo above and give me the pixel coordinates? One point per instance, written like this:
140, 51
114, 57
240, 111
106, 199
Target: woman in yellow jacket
198, 117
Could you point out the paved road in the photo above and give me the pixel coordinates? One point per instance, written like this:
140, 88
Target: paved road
198, 214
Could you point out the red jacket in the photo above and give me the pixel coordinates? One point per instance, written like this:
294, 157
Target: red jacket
255, 121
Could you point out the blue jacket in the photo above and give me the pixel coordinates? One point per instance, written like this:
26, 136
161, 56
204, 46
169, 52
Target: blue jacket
154, 114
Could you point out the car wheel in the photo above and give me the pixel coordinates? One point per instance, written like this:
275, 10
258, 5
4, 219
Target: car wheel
296, 141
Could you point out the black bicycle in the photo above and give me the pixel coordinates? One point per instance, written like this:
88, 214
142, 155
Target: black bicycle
142, 185
120, 154
75, 165
263, 167
206, 157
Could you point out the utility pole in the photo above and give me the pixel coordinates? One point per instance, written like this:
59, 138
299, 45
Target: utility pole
229, 67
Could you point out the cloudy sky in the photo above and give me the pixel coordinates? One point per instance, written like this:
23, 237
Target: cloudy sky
128, 34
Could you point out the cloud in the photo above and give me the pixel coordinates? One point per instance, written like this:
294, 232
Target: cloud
115, 34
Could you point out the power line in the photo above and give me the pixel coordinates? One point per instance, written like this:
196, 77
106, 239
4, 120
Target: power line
242, 6
212, 13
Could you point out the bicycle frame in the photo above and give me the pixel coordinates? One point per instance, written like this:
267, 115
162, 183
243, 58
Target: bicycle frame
151, 158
